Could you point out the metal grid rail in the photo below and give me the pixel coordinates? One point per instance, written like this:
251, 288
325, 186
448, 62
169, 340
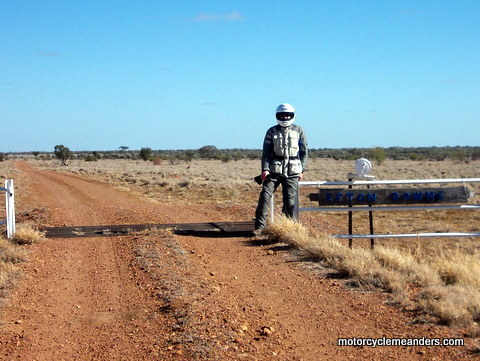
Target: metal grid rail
210, 229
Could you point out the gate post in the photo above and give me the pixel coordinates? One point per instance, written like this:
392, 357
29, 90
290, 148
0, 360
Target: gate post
10, 207
350, 216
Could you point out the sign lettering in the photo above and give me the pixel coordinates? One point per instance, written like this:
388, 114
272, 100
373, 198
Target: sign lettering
335, 197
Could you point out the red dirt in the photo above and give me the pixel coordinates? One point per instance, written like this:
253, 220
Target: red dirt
165, 297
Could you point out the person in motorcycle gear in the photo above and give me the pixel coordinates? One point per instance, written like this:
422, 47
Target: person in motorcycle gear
284, 158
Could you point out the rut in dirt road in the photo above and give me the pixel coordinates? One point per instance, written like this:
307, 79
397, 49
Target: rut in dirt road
79, 299
133, 298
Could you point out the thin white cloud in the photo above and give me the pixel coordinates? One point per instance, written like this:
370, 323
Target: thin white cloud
233, 16
48, 53
411, 13
452, 81
155, 95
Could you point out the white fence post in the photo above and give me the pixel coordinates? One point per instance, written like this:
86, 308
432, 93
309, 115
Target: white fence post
10, 207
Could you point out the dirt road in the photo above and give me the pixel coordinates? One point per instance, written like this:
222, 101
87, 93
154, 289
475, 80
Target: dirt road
164, 297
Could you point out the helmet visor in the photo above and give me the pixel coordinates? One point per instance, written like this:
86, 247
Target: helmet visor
285, 115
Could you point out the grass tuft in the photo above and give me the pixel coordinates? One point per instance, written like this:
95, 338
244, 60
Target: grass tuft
453, 305
26, 234
357, 263
459, 268
8, 273
10, 255
407, 265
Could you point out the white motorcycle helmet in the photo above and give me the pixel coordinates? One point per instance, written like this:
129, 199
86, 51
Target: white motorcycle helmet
285, 115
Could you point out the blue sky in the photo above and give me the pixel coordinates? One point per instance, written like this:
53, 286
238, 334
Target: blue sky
96, 75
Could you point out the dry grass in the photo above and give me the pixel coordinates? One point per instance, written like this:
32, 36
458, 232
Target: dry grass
357, 262
233, 181
27, 234
444, 287
213, 181
10, 255
413, 271
458, 268
13, 252
442, 275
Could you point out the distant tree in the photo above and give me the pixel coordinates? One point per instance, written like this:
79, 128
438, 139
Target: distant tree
62, 153
123, 148
354, 153
226, 158
35, 153
254, 155
97, 155
460, 154
2, 157
90, 158
146, 154
238, 155
416, 156
157, 160
189, 156
379, 154
209, 152
476, 154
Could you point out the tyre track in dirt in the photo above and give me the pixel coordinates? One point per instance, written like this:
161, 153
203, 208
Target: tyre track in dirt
82, 300
307, 311
79, 300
